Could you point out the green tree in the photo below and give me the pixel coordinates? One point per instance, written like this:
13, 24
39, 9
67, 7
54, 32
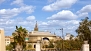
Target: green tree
19, 37
9, 47
71, 37
58, 44
51, 45
84, 30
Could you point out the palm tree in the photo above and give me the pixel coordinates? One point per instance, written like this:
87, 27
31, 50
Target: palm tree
19, 37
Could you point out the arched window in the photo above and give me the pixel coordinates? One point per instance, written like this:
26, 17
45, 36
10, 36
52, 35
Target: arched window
34, 46
45, 38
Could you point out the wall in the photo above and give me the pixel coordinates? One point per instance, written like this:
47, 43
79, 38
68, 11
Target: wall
2, 40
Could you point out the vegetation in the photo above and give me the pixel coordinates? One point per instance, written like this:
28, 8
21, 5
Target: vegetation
9, 47
19, 37
84, 30
69, 44
51, 45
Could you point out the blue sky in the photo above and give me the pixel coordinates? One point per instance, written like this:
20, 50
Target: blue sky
50, 15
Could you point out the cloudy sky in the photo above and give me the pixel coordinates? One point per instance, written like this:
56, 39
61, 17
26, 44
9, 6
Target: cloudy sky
50, 15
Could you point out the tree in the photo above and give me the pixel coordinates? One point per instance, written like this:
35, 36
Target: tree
71, 37
84, 31
58, 44
9, 47
19, 37
51, 45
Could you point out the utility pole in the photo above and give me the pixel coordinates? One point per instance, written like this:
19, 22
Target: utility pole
62, 39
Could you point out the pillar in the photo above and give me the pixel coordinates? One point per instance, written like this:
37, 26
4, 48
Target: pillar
2, 40
38, 47
85, 46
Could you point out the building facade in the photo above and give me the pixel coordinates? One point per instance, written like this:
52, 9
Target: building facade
7, 40
43, 36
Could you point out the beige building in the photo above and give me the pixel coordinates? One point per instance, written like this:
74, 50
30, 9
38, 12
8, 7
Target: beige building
8, 40
43, 36
2, 40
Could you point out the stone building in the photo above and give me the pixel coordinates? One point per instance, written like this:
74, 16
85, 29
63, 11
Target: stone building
43, 36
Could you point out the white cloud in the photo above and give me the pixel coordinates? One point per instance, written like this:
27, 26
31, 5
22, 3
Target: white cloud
18, 2
28, 9
59, 4
83, 14
69, 26
30, 18
57, 23
9, 24
8, 13
63, 15
86, 8
1, 1
84, 11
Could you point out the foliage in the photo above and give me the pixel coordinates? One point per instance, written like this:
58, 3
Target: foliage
69, 44
51, 44
29, 46
19, 36
71, 37
84, 30
9, 47
58, 44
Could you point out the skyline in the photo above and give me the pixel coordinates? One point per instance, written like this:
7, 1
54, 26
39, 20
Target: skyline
49, 14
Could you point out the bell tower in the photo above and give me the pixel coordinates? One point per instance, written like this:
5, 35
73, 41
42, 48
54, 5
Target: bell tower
36, 27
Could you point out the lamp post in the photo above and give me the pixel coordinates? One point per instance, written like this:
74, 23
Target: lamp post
62, 39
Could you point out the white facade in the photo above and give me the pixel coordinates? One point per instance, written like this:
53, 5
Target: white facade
67, 37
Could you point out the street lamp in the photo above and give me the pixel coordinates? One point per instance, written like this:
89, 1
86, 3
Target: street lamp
62, 38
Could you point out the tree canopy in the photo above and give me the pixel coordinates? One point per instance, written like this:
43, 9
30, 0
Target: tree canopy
19, 36
84, 30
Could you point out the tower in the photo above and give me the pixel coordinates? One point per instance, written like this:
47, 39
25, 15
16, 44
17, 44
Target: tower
2, 40
36, 27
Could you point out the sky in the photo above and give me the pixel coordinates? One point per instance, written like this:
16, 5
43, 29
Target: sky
50, 15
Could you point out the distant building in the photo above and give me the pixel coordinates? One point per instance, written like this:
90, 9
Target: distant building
67, 37
8, 40
43, 36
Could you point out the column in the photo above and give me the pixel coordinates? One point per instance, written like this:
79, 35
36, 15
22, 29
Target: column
38, 47
85, 46
2, 40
